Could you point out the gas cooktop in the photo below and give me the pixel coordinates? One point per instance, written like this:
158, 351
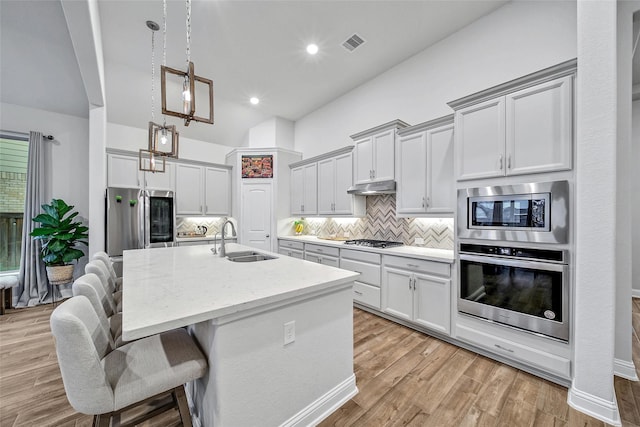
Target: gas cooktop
373, 243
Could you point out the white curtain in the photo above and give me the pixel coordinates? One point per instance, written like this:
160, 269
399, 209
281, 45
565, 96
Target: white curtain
33, 287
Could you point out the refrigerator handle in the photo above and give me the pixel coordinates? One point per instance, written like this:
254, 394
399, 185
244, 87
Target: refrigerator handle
143, 219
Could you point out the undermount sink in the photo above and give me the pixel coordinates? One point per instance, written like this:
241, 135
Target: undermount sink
248, 256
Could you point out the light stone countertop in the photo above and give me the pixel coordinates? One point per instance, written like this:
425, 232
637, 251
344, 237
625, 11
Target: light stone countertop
168, 288
430, 254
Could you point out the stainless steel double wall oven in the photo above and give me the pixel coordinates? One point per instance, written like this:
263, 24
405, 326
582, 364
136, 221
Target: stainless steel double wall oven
514, 255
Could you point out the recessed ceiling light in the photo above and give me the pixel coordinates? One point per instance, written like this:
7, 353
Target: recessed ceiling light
254, 100
312, 49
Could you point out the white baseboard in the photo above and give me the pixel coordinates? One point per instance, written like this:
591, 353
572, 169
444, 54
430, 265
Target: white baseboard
325, 405
625, 369
594, 406
635, 293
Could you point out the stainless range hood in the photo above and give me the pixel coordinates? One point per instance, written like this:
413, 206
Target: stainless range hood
373, 188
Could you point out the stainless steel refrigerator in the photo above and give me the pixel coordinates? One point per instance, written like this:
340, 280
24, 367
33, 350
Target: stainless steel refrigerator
138, 219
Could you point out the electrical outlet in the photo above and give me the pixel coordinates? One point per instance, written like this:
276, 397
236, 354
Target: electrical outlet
289, 332
419, 241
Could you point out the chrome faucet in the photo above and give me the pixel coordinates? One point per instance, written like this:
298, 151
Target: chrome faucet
233, 231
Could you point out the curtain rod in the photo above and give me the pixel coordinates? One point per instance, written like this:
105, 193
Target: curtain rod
21, 135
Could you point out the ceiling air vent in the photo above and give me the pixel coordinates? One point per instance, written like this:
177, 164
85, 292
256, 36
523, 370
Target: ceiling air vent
352, 42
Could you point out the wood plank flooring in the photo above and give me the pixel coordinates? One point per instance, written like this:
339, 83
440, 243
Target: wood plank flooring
405, 379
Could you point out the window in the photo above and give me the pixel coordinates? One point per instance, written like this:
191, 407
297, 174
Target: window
14, 150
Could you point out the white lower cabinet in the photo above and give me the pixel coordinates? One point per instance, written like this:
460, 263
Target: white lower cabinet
290, 248
320, 254
417, 291
535, 352
366, 290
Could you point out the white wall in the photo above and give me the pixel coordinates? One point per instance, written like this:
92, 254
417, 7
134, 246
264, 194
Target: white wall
133, 139
635, 202
68, 153
515, 40
274, 132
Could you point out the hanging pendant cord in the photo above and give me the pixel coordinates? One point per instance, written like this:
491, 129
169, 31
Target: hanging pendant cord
188, 5
164, 32
153, 76
164, 47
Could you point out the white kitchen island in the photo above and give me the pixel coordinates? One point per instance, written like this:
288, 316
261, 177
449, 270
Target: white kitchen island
238, 312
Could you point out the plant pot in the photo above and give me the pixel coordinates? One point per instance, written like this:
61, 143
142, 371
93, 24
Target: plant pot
60, 274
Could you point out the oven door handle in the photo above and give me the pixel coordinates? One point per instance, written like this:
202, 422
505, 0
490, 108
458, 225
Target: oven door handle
535, 265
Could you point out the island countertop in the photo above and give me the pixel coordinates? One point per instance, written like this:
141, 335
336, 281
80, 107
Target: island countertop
167, 288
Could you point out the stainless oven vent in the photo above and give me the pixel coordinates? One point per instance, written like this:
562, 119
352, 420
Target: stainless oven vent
353, 42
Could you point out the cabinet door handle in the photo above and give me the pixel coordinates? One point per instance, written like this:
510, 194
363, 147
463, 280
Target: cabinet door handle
319, 250
267, 236
409, 282
423, 202
357, 292
503, 348
509, 161
302, 208
374, 173
500, 161
413, 265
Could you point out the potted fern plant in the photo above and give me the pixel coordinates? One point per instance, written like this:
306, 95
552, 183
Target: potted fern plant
60, 235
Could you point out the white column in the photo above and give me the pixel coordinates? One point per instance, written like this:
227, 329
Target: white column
623, 362
97, 177
592, 389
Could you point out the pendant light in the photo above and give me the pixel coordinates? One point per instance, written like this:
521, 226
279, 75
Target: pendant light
163, 139
189, 79
149, 160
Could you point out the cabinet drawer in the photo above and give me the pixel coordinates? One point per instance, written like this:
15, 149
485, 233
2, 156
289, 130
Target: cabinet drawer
360, 256
528, 355
290, 244
367, 295
369, 273
324, 250
294, 253
418, 265
324, 260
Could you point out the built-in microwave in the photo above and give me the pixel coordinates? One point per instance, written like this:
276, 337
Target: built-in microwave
533, 213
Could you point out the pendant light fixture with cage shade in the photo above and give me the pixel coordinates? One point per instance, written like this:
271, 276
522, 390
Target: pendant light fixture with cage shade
188, 80
163, 139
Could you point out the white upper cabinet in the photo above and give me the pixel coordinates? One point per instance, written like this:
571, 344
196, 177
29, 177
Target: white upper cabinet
189, 190
304, 190
335, 176
539, 127
326, 186
326, 178
203, 190
217, 195
480, 140
425, 182
123, 171
161, 180
521, 127
374, 152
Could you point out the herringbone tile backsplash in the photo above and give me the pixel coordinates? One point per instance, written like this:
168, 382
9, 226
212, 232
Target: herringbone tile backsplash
381, 223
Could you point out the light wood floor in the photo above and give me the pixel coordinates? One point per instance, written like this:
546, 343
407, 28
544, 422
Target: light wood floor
404, 377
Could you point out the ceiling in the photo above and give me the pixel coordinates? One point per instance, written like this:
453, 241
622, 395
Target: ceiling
248, 48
